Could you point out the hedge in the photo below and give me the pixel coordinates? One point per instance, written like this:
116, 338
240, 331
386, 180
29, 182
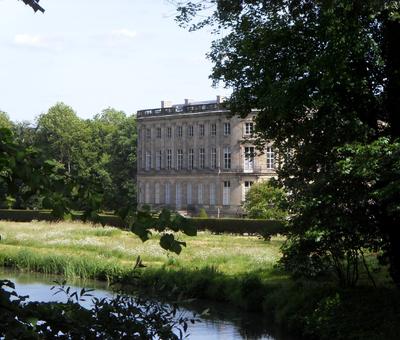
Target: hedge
266, 228
45, 215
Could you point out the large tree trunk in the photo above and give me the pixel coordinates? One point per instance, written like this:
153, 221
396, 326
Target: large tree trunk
391, 52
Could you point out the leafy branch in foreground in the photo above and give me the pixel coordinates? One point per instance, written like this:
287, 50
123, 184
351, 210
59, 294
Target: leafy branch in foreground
166, 222
120, 317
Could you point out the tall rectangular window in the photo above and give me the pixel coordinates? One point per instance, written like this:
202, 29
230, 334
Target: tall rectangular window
200, 190
270, 154
147, 193
191, 159
227, 129
226, 193
189, 193
179, 159
213, 129
167, 193
246, 187
227, 158
148, 133
190, 130
202, 158
249, 158
212, 194
169, 159
213, 160
179, 131
248, 128
148, 160
158, 132
157, 193
158, 160
178, 196
201, 130
169, 132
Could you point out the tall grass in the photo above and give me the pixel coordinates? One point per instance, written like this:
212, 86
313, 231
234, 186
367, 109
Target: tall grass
235, 269
109, 247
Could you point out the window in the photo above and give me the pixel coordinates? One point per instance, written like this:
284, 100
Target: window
202, 158
227, 158
148, 133
158, 132
147, 193
200, 188
148, 160
226, 193
178, 196
179, 159
158, 160
212, 194
167, 193
179, 131
169, 132
213, 130
213, 158
248, 129
169, 159
201, 130
140, 160
189, 193
227, 129
248, 158
270, 154
157, 193
190, 131
191, 159
246, 188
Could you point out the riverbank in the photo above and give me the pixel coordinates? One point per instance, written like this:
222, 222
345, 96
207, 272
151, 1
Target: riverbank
239, 270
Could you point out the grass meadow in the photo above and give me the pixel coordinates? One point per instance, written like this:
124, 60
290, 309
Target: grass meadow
77, 249
237, 270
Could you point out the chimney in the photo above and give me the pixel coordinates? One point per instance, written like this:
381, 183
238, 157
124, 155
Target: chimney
188, 101
220, 99
165, 104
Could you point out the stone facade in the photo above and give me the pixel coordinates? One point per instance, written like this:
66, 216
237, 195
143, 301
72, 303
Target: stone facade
195, 155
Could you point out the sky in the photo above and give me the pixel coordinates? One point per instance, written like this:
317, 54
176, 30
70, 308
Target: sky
94, 54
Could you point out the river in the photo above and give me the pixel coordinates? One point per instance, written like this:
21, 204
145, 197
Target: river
223, 322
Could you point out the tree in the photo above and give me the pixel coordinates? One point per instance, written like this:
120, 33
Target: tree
62, 133
324, 75
115, 135
5, 121
264, 201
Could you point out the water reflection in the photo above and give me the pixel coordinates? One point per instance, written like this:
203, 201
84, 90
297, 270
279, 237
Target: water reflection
223, 321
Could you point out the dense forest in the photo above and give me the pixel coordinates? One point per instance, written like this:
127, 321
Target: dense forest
90, 164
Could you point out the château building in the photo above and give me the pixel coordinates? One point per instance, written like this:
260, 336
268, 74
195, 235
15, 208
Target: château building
196, 155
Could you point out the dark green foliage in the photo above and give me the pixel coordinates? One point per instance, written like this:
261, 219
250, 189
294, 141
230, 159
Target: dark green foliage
121, 317
42, 215
325, 78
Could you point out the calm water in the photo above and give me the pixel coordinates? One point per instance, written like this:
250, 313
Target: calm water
223, 322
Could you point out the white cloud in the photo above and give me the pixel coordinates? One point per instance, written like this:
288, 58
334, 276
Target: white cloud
29, 40
124, 33
39, 41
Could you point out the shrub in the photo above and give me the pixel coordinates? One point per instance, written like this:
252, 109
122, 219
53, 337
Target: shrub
264, 228
203, 213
